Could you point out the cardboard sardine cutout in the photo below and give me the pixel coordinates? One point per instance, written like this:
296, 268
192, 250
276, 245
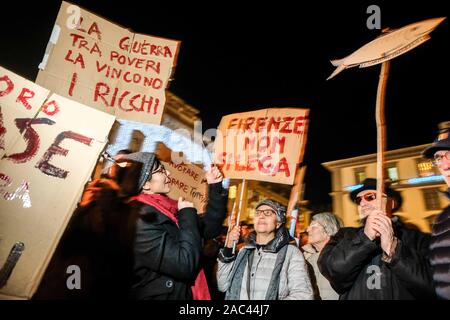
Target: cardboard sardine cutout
388, 46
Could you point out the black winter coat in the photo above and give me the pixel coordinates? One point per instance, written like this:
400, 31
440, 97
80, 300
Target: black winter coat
440, 253
167, 257
353, 265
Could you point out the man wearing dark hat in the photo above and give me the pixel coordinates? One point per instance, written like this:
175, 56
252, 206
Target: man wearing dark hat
383, 259
440, 236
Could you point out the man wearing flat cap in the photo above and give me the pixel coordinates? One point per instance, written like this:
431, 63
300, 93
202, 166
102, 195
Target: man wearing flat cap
439, 151
383, 259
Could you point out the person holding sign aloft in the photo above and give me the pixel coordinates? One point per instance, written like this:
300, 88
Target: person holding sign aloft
136, 241
168, 238
270, 266
384, 259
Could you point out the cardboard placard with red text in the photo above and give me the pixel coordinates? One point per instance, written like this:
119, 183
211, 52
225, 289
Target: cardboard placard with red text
107, 67
265, 145
19, 99
41, 180
187, 180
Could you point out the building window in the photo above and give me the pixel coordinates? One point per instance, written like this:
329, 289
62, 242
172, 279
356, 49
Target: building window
360, 175
391, 172
431, 199
425, 168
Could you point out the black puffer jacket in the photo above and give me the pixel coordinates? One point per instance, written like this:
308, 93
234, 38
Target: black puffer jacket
440, 253
353, 265
167, 257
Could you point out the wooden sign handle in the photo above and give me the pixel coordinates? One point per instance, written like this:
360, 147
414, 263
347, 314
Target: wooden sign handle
381, 131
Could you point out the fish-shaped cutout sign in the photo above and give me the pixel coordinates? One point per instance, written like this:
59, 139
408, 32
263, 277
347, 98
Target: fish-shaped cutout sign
388, 46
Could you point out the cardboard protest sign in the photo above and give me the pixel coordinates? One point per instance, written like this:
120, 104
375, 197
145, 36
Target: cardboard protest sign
107, 67
263, 145
19, 99
41, 180
187, 180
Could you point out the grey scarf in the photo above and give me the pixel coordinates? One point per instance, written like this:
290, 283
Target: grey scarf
234, 292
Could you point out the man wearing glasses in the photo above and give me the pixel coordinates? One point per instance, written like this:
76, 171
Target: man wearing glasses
440, 236
383, 259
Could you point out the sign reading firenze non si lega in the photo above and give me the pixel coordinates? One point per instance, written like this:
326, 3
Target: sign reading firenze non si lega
265, 145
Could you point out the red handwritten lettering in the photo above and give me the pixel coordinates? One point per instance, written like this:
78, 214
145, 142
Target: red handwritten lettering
282, 167
274, 123
263, 143
264, 164
137, 102
31, 138
147, 65
99, 94
260, 122
72, 83
79, 59
55, 149
92, 29
80, 42
179, 184
285, 125
50, 108
248, 123
2, 131
299, 123
122, 96
285, 128
145, 48
24, 95
9, 86
232, 123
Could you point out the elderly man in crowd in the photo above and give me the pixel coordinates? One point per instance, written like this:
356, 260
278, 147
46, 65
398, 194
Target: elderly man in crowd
383, 259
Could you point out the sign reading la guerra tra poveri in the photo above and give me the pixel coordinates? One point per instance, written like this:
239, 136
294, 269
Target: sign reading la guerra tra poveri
107, 67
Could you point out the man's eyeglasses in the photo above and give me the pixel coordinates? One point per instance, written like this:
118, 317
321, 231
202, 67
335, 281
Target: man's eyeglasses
266, 213
439, 157
367, 197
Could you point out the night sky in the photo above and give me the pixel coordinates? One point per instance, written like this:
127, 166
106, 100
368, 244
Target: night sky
237, 58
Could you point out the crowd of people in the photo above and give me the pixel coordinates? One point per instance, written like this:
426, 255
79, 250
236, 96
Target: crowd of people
132, 241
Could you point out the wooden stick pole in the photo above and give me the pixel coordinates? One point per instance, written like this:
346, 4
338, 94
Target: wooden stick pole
230, 220
238, 218
381, 131
294, 198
